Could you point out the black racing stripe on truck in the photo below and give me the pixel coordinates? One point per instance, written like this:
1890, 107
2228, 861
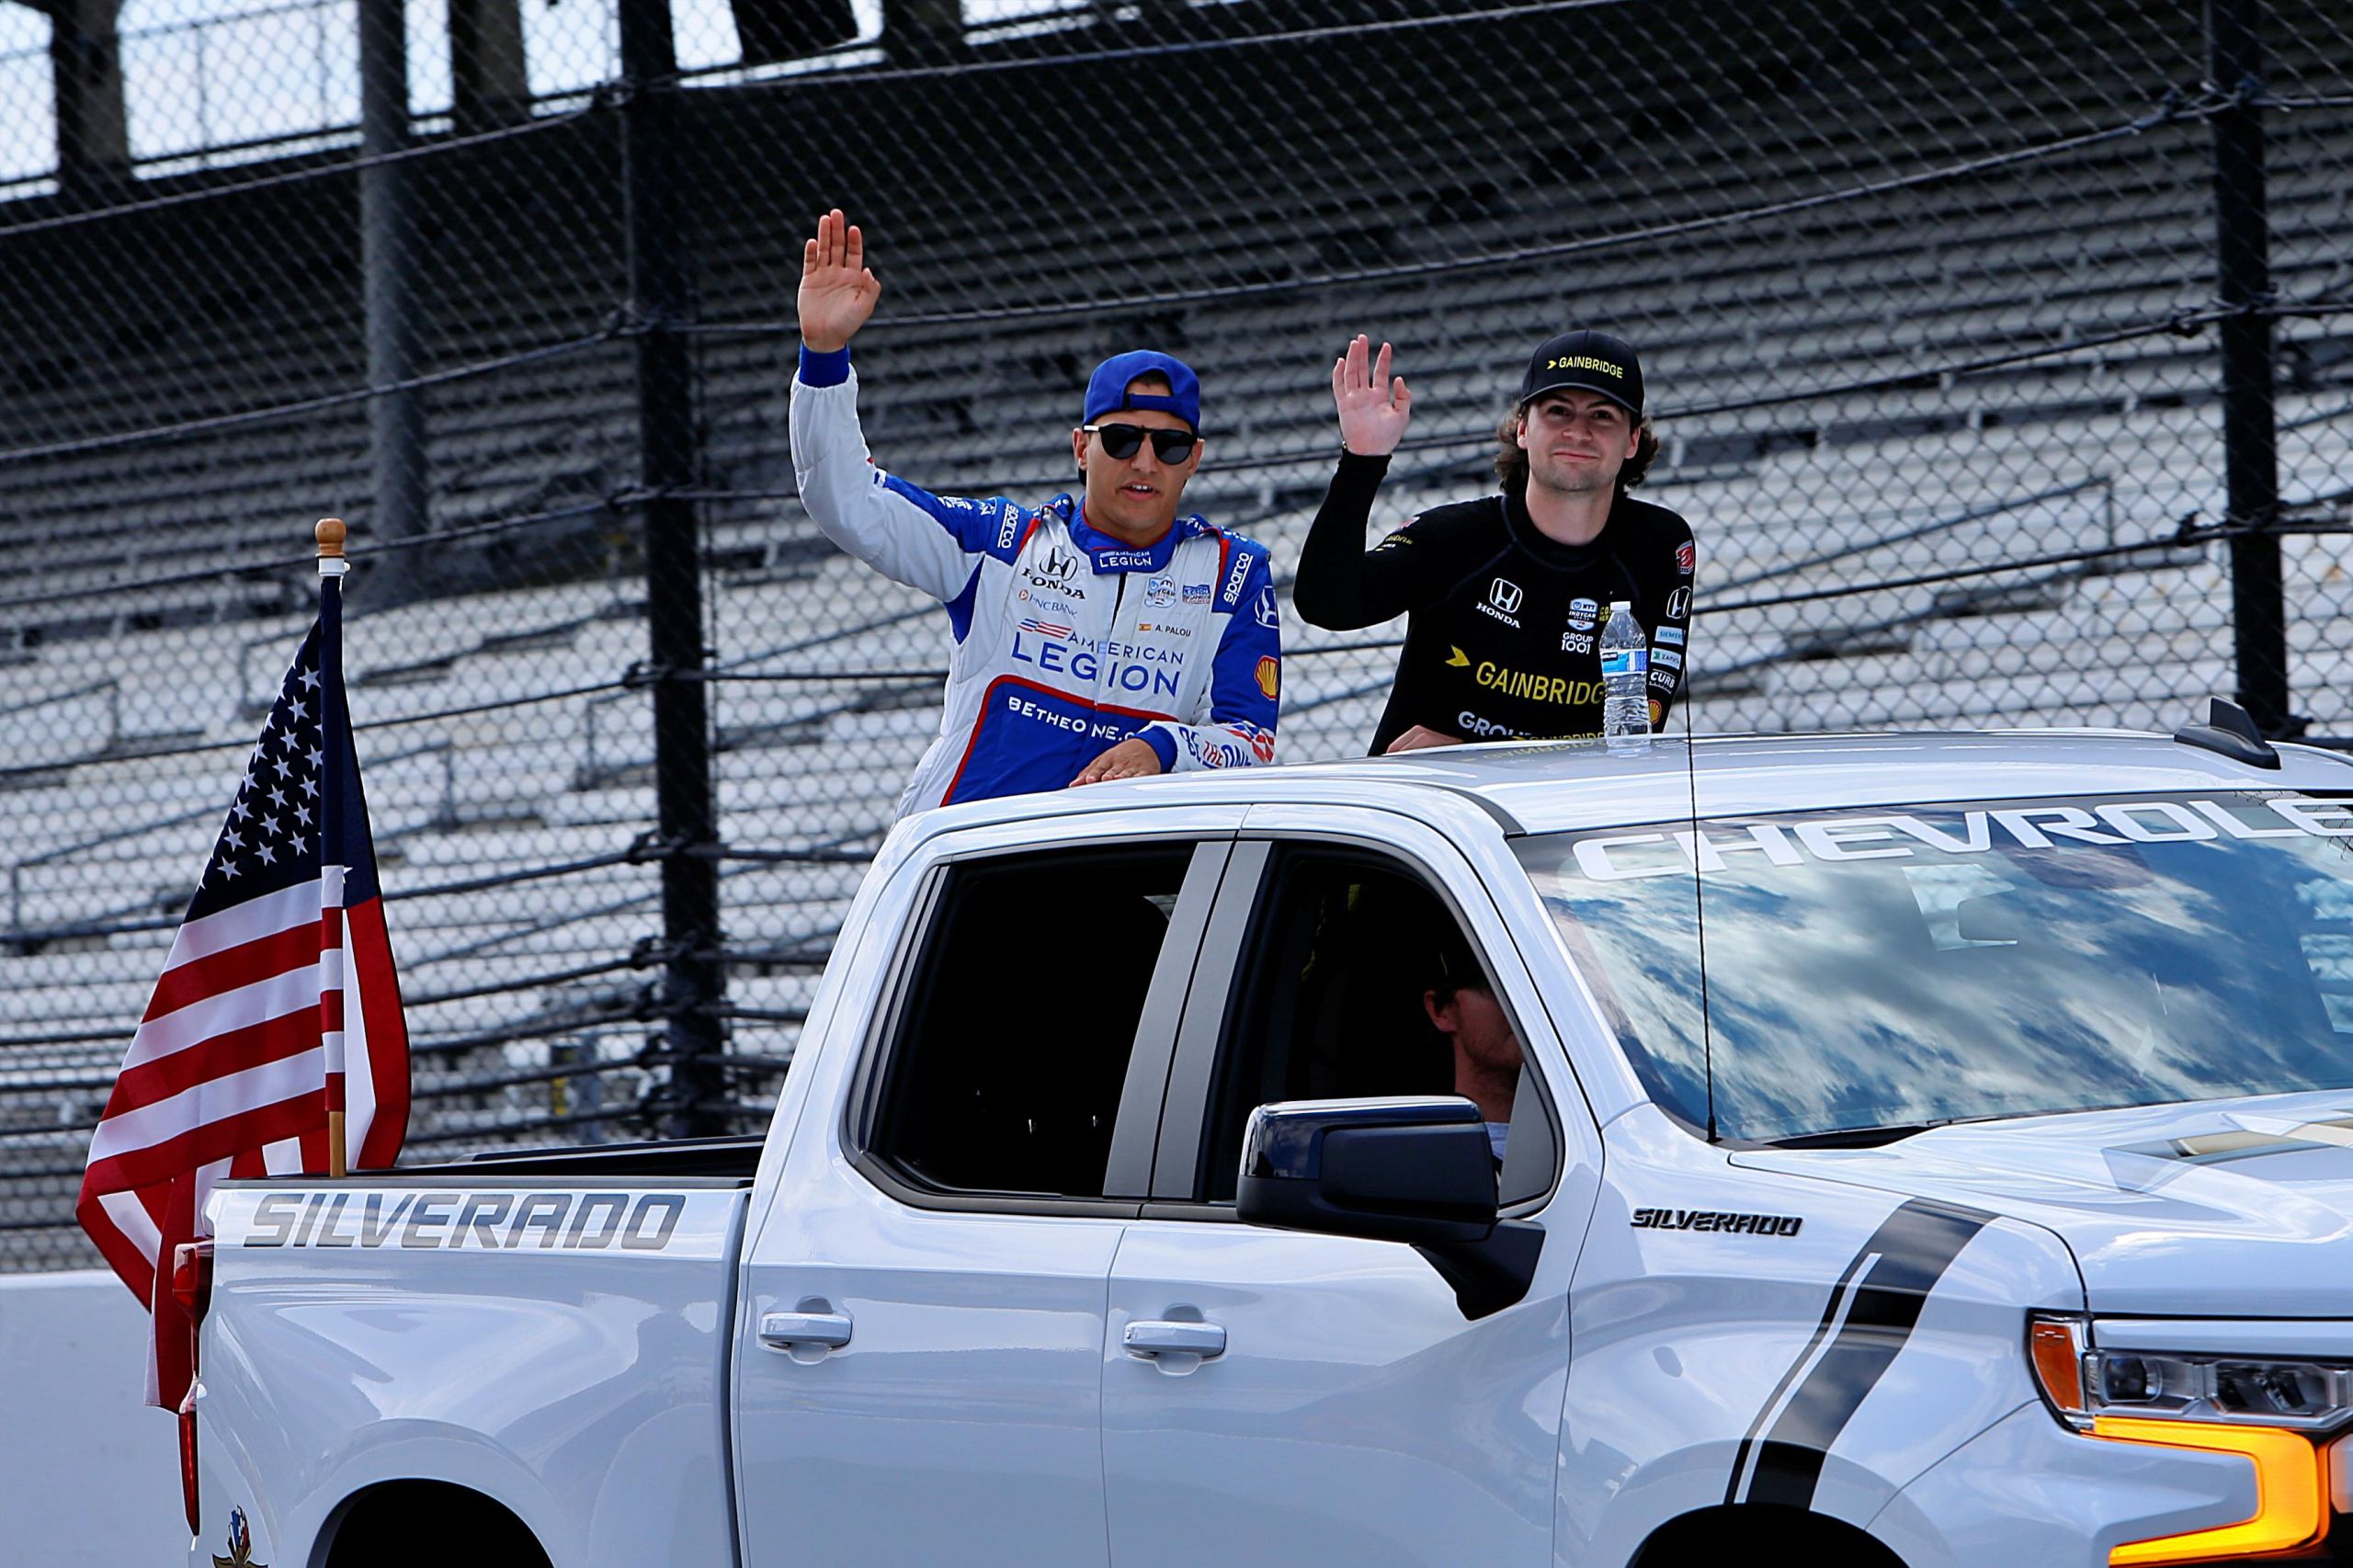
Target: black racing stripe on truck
1773, 1400
1898, 1266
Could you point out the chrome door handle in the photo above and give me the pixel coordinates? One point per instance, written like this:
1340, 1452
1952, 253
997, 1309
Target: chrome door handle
784, 1331
1150, 1337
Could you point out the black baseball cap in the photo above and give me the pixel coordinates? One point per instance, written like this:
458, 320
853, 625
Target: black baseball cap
1452, 967
1589, 361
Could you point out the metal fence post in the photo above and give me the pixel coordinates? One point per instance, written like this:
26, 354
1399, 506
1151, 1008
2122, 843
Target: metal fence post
86, 63
2250, 446
396, 419
693, 1102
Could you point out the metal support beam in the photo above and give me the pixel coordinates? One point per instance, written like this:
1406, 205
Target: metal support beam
396, 419
2250, 445
86, 70
694, 1102
923, 32
489, 83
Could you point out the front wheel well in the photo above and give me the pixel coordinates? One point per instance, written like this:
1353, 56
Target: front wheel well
1761, 1532
397, 1523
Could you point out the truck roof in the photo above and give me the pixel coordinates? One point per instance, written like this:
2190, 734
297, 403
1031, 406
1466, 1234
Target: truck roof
1545, 786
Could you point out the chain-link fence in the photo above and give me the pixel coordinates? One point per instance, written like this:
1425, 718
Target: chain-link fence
2002, 352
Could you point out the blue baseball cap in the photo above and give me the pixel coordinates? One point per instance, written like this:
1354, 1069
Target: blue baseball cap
1107, 388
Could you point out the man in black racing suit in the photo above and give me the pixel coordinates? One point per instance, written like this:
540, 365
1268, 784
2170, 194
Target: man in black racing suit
1506, 594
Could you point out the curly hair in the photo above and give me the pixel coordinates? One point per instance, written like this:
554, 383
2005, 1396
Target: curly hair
1511, 463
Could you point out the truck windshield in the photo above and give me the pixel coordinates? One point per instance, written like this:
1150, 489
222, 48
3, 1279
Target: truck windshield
1890, 969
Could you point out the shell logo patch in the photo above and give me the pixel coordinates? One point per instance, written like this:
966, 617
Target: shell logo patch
1270, 677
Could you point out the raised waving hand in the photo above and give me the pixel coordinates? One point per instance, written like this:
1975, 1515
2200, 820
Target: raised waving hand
838, 291
1374, 408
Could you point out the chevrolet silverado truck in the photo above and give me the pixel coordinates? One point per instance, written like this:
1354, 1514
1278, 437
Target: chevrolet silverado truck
1924, 1150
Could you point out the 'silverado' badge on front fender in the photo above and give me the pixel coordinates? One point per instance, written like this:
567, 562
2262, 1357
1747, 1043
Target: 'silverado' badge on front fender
1717, 1221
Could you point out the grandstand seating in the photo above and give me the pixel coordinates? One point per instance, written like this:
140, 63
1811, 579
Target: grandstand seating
179, 548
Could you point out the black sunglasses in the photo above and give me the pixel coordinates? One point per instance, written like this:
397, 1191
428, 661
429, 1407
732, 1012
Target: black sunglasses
1123, 441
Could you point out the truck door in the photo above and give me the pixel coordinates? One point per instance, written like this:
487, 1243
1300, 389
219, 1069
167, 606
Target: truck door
919, 1358
1322, 1399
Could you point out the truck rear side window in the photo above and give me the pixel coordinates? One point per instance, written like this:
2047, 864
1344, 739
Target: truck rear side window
1005, 1071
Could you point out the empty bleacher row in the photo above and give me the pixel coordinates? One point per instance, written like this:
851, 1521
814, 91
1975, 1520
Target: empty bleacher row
2110, 235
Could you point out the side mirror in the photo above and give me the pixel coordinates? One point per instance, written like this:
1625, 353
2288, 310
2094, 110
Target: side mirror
1417, 1170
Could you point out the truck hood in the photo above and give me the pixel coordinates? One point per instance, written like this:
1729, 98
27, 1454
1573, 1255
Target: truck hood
2220, 1209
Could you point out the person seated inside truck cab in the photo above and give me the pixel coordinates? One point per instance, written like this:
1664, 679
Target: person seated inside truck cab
1357, 979
1461, 1004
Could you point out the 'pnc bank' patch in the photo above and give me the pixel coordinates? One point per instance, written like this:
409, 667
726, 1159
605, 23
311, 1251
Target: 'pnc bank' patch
458, 1222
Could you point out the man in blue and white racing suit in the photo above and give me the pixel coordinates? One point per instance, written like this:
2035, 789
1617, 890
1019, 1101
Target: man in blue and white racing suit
1106, 638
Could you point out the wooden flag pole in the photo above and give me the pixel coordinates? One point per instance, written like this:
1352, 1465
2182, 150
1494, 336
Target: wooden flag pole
330, 534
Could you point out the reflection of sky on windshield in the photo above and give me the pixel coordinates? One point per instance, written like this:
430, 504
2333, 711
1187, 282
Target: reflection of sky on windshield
1886, 991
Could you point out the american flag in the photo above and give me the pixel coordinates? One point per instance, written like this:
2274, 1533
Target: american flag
259, 1025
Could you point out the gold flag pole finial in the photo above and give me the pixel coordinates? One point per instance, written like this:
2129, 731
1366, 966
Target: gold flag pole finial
330, 534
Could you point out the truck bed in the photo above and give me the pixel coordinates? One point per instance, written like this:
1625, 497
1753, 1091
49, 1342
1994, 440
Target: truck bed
735, 1158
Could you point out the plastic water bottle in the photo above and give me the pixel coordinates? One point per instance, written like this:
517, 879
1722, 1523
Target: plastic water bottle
1625, 676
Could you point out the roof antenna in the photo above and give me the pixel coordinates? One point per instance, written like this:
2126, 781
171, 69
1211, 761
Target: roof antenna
2230, 730
1699, 904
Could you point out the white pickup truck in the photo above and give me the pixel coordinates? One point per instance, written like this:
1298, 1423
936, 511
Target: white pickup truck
1927, 1150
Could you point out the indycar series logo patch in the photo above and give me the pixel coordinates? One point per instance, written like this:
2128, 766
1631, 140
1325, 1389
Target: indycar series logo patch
240, 1544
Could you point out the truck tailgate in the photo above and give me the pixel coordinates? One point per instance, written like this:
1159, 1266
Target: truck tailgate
560, 1345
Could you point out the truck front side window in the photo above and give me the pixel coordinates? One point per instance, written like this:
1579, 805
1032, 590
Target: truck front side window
1345, 956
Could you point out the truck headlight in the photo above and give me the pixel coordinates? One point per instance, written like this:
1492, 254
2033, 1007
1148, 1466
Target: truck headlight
2084, 1382
2268, 1411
